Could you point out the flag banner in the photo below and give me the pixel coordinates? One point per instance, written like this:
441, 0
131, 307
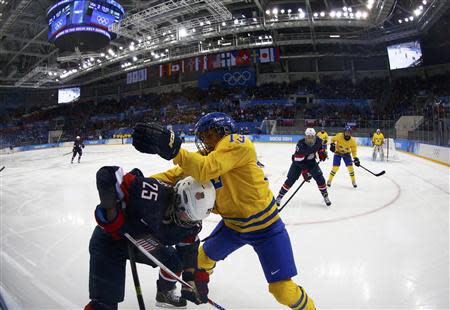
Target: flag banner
225, 59
161, 70
269, 54
240, 58
173, 68
137, 76
230, 78
214, 61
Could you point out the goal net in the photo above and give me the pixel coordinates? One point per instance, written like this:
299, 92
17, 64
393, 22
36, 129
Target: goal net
390, 152
54, 136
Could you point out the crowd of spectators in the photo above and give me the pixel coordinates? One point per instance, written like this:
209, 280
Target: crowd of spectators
90, 119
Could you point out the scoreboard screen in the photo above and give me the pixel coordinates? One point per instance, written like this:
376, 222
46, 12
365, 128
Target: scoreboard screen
93, 17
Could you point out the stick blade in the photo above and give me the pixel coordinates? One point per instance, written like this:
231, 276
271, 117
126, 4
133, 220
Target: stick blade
381, 173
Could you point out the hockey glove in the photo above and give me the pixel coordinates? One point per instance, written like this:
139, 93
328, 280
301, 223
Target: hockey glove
116, 226
152, 138
322, 154
333, 147
306, 175
356, 161
199, 281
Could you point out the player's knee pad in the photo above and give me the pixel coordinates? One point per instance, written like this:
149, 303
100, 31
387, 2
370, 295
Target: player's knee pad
288, 293
204, 262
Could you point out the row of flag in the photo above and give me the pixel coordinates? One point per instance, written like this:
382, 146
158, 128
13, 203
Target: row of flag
210, 62
222, 60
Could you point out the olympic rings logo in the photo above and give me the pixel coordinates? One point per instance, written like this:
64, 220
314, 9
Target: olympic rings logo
58, 25
102, 20
237, 78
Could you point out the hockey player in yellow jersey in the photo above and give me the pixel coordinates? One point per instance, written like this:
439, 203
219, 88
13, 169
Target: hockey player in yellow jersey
322, 134
343, 145
243, 200
377, 143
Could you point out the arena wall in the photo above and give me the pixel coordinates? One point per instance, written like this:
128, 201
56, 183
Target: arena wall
434, 153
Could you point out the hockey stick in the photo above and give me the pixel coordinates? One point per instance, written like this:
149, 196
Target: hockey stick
137, 285
375, 174
301, 184
142, 243
2, 168
66, 154
284, 205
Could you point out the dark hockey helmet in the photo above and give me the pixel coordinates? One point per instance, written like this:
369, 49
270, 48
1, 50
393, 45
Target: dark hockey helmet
221, 123
347, 132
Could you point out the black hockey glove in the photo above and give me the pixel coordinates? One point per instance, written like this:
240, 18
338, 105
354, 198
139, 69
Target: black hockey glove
306, 175
333, 147
199, 281
152, 138
356, 161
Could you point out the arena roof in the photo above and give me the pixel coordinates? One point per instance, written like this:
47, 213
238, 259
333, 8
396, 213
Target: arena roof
160, 31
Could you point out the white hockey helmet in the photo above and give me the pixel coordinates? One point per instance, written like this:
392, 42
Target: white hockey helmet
193, 201
378, 130
78, 137
310, 136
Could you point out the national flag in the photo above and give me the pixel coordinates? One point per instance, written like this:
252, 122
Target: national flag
269, 55
161, 70
225, 59
255, 56
202, 63
175, 67
241, 58
214, 61
190, 65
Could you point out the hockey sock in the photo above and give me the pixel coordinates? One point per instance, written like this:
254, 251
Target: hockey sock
204, 262
288, 293
333, 173
165, 282
351, 171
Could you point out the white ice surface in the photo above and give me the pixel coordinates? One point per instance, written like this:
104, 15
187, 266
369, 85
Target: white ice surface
384, 245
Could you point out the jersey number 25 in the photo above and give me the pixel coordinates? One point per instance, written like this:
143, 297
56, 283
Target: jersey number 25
151, 193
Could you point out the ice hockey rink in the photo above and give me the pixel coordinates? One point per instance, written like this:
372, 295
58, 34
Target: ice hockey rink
384, 245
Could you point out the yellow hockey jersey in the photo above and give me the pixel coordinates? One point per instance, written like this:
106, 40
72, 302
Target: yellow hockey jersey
243, 197
378, 139
323, 136
344, 146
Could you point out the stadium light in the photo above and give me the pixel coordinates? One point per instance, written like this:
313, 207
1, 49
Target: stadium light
282, 11
400, 21
417, 12
275, 11
332, 14
339, 14
302, 15
182, 32
364, 15
411, 18
134, 58
289, 11
350, 9
316, 14
268, 12
322, 14
424, 2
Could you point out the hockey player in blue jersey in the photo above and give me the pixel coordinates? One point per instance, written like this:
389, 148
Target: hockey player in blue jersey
243, 199
304, 163
78, 147
141, 207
